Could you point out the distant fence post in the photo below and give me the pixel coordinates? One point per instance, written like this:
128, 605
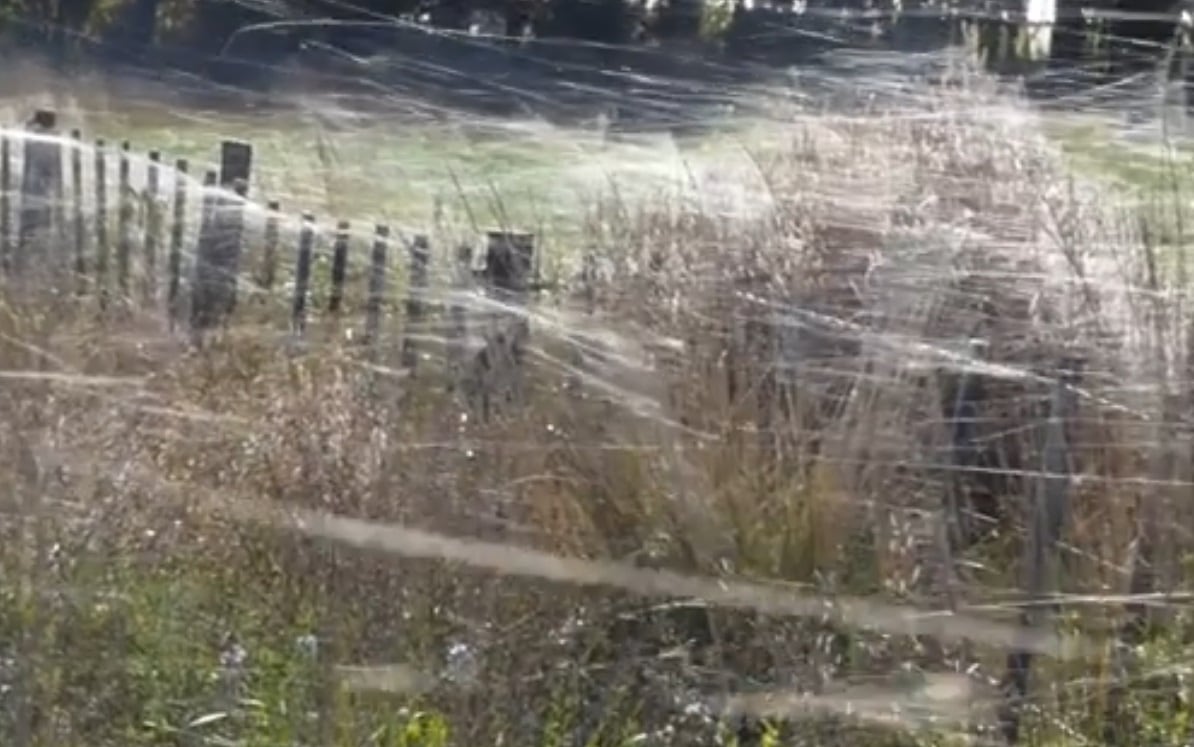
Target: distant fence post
339, 267
5, 202
79, 213
377, 286
509, 258
269, 258
302, 275
153, 224
1047, 519
964, 453
416, 307
201, 270
588, 293
101, 220
124, 221
462, 283
41, 184
217, 261
236, 161
177, 231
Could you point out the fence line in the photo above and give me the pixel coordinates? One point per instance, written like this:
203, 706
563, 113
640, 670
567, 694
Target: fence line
207, 267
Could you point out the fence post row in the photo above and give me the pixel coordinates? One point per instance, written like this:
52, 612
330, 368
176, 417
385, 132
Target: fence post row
41, 182
212, 292
1047, 521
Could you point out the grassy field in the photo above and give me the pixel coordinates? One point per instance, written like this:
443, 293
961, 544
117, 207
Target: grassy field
398, 166
170, 575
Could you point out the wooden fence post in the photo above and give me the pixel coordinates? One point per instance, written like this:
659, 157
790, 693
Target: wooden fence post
153, 224
61, 256
462, 283
302, 275
236, 163
269, 259
79, 213
1151, 554
101, 220
177, 231
509, 258
377, 286
124, 221
217, 261
5, 202
339, 267
1047, 519
588, 293
41, 183
416, 307
964, 453
200, 293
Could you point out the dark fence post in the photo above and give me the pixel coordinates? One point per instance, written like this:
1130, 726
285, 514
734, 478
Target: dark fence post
61, 256
509, 258
302, 275
964, 454
201, 311
377, 286
416, 293
462, 283
269, 259
80, 223
236, 163
339, 267
153, 224
41, 183
5, 202
101, 220
1047, 519
124, 221
1150, 556
177, 231
219, 251
588, 293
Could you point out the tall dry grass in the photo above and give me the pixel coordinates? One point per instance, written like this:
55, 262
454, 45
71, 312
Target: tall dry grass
764, 398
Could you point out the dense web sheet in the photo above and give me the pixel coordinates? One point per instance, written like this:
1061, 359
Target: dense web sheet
886, 291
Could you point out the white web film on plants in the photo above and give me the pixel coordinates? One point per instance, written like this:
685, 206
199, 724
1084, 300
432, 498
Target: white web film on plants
803, 266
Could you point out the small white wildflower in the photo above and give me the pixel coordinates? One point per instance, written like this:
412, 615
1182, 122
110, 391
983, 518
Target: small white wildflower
461, 663
308, 644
